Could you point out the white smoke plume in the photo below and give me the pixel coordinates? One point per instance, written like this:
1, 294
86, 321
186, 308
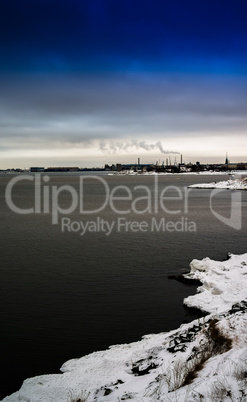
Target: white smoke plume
114, 147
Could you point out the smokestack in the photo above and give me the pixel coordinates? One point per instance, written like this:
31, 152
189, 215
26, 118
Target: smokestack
138, 161
181, 159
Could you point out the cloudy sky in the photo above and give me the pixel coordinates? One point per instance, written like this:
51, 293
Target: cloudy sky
88, 82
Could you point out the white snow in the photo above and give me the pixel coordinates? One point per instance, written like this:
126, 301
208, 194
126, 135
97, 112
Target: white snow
183, 173
232, 184
223, 283
154, 368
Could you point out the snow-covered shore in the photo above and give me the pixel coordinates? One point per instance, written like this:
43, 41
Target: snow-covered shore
203, 360
183, 173
232, 184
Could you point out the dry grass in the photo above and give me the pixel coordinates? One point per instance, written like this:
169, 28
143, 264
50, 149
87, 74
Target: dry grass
184, 372
221, 343
78, 396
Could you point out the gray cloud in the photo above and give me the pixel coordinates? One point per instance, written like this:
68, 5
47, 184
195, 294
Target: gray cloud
82, 109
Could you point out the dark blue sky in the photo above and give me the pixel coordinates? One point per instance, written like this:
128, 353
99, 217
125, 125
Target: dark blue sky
109, 35
111, 69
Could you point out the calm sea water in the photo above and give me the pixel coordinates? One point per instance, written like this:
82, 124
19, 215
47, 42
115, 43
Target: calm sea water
64, 295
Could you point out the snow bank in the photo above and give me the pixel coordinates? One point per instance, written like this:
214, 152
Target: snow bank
223, 283
232, 184
156, 367
183, 173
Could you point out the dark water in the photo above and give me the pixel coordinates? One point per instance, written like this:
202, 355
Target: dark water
64, 295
